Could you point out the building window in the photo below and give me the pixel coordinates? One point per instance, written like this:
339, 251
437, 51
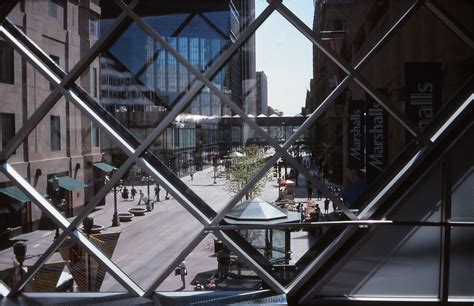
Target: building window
94, 82
94, 136
55, 133
7, 124
94, 27
56, 60
6, 63
56, 9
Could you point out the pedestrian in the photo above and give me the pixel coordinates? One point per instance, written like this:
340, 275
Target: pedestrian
183, 272
191, 174
316, 214
133, 192
125, 193
326, 206
309, 188
167, 195
157, 192
140, 193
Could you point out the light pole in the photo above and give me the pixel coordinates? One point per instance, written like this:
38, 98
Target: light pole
56, 201
115, 218
88, 224
215, 174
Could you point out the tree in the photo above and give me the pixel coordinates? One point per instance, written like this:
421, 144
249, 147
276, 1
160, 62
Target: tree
244, 168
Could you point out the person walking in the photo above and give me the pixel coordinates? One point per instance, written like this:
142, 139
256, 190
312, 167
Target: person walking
157, 192
125, 193
183, 272
140, 193
133, 192
326, 206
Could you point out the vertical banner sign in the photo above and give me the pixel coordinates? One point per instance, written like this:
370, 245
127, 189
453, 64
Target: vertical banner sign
423, 87
356, 134
376, 138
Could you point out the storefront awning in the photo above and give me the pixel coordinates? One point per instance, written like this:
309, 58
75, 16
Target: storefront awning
15, 193
69, 183
104, 167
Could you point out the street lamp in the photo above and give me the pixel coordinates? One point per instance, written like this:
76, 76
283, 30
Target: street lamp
115, 218
88, 224
19, 249
56, 201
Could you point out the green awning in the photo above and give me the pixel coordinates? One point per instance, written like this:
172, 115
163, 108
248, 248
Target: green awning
15, 193
69, 183
104, 167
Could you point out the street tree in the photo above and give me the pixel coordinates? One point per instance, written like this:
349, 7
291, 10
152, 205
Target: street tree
244, 168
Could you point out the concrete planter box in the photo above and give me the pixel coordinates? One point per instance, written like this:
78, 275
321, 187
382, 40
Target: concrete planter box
137, 211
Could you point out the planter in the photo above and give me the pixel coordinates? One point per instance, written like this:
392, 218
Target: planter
96, 229
137, 211
125, 217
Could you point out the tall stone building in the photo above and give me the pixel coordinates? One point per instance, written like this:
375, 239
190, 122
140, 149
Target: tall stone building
64, 144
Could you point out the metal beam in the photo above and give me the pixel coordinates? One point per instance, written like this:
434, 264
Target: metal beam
450, 22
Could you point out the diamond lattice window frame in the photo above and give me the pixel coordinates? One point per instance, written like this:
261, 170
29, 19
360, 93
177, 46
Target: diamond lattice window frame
137, 151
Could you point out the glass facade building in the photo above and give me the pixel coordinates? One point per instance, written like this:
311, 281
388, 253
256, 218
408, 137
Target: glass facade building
143, 159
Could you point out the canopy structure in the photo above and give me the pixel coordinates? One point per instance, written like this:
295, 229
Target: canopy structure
69, 183
15, 193
258, 211
104, 167
235, 154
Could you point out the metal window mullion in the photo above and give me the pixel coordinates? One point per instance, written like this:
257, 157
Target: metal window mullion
446, 193
110, 266
169, 269
280, 226
264, 275
454, 26
308, 33
197, 86
177, 194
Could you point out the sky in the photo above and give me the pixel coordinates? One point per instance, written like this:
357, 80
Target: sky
285, 56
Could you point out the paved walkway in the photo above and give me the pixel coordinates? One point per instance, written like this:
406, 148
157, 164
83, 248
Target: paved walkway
148, 244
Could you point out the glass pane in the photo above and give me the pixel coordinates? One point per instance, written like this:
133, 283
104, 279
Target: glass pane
423, 200
381, 264
462, 179
461, 264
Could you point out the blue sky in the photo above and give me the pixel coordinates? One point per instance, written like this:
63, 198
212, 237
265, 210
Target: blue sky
285, 56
